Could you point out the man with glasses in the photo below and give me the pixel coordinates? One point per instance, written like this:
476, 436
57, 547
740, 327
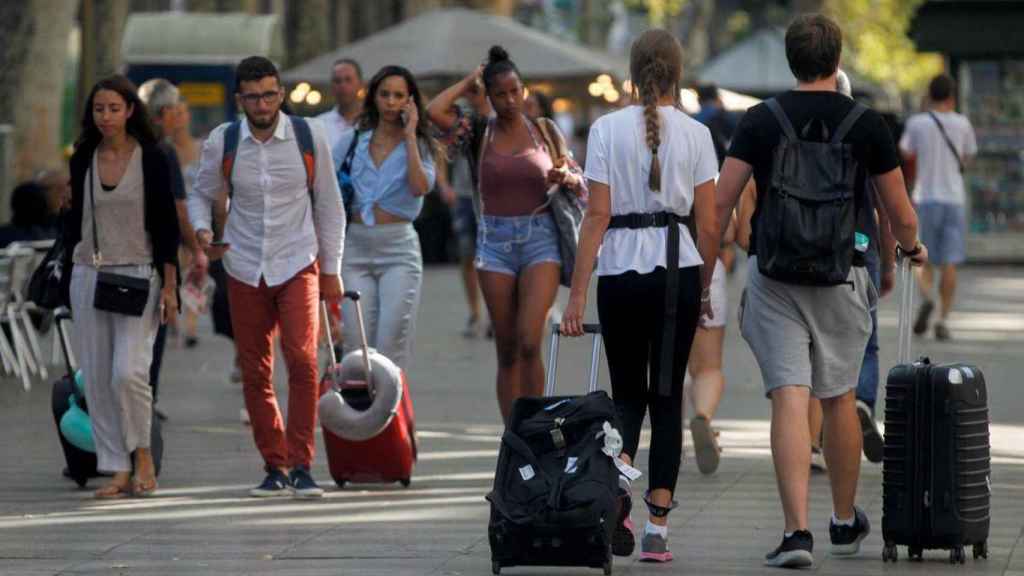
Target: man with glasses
347, 87
282, 251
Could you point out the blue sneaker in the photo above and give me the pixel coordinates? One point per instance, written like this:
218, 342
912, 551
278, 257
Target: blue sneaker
303, 484
275, 484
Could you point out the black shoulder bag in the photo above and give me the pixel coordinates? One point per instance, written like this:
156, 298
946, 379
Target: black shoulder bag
115, 293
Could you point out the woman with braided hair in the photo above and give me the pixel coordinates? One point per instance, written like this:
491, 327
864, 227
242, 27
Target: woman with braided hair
651, 171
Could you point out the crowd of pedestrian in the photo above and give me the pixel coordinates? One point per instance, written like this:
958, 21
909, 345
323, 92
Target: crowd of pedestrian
273, 213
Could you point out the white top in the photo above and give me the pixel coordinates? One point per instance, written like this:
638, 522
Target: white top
617, 155
334, 125
270, 227
938, 175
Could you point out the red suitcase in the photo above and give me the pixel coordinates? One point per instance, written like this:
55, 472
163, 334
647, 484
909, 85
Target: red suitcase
387, 457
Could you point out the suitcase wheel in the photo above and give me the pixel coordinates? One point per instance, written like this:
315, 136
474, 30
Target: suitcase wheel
890, 552
981, 550
340, 483
957, 555
405, 484
915, 553
495, 567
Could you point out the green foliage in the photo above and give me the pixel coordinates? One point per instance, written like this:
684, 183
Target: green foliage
875, 35
658, 11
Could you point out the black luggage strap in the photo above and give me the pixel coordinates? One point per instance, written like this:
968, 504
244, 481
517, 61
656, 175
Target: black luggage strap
516, 444
658, 511
636, 221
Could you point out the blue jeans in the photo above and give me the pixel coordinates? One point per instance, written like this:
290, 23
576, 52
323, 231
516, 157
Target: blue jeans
867, 384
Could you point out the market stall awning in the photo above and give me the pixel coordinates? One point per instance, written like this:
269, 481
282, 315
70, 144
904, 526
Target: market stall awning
758, 66
196, 38
445, 44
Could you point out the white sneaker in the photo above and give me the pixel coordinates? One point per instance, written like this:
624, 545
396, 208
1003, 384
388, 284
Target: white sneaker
818, 460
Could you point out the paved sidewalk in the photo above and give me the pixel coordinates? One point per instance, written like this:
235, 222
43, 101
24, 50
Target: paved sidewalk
201, 522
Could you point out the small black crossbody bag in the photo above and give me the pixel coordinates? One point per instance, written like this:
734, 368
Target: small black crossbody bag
115, 293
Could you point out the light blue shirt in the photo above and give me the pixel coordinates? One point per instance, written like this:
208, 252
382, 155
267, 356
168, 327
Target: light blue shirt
386, 186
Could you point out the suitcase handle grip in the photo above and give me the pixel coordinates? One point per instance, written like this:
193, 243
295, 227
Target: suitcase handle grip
587, 328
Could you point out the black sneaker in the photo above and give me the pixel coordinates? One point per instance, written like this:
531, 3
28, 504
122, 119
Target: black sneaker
303, 484
874, 445
941, 332
623, 539
794, 552
923, 314
846, 539
274, 485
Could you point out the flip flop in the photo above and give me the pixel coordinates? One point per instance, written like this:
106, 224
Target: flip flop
705, 445
112, 492
144, 488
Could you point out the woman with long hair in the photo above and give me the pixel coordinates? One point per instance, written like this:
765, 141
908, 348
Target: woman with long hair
651, 172
119, 233
391, 159
514, 162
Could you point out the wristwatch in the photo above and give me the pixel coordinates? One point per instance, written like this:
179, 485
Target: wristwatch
914, 252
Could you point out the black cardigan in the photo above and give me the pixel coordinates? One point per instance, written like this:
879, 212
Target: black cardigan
161, 216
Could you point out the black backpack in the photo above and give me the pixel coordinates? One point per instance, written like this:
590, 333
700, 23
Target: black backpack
555, 492
807, 217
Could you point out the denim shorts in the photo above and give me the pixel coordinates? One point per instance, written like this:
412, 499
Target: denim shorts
942, 228
511, 244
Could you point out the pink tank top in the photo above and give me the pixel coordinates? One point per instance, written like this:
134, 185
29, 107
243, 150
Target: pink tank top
514, 184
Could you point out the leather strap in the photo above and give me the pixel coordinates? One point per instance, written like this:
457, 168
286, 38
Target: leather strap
945, 136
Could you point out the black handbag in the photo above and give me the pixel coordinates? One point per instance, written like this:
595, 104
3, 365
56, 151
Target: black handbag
115, 293
44, 286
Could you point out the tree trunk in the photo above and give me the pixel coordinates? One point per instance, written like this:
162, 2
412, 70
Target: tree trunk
110, 18
17, 26
306, 30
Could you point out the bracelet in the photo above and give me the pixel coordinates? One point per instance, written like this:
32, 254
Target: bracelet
911, 253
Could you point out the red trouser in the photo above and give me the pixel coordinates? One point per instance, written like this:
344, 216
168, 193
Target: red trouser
256, 315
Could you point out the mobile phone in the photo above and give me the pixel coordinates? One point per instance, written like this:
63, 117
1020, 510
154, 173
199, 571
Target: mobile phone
403, 117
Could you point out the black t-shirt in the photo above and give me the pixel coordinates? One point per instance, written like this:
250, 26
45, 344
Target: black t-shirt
759, 133
174, 166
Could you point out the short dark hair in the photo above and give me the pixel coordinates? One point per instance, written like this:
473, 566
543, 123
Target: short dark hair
707, 92
942, 88
814, 44
254, 69
350, 62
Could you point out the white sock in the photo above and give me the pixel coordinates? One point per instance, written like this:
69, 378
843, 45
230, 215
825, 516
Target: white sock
652, 528
849, 522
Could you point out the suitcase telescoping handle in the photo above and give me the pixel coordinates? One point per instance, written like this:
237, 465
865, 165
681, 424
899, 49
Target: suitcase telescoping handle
595, 356
905, 278
354, 296
62, 315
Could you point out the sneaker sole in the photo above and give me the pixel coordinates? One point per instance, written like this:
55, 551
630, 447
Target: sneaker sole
656, 557
874, 444
791, 559
307, 494
704, 445
849, 549
623, 539
256, 493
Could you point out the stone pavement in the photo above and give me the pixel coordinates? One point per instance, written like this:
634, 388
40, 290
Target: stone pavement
201, 522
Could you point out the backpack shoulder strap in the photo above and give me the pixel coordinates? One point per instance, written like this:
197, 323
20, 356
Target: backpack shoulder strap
847, 124
227, 162
304, 138
346, 162
780, 115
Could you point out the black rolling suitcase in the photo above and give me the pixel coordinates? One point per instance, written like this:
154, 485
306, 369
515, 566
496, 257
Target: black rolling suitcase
935, 474
555, 501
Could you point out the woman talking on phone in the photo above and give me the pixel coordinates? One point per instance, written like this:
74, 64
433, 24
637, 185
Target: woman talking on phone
514, 162
389, 160
123, 257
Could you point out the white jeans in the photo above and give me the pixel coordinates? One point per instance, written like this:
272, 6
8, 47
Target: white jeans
115, 351
383, 262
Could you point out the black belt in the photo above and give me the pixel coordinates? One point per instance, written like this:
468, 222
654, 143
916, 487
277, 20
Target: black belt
636, 221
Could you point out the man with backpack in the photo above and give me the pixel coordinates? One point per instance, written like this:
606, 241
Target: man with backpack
939, 143
282, 251
806, 310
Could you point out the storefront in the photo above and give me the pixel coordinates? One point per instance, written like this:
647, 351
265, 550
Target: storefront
984, 46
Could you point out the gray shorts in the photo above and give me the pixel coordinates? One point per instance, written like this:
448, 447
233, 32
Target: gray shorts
808, 335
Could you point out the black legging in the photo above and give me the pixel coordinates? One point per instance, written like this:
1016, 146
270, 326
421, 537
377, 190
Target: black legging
631, 308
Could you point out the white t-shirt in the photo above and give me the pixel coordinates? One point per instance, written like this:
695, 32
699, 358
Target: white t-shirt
938, 174
334, 126
617, 155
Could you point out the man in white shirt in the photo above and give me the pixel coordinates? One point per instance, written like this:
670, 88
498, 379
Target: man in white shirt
940, 142
347, 87
282, 252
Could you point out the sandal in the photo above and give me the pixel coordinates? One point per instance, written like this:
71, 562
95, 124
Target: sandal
144, 488
112, 492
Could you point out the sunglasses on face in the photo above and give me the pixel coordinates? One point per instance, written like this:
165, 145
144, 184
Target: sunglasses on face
267, 97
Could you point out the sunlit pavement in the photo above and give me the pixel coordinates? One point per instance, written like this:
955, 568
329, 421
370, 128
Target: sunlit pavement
201, 521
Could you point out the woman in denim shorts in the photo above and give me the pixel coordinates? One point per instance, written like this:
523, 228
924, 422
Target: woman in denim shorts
517, 249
